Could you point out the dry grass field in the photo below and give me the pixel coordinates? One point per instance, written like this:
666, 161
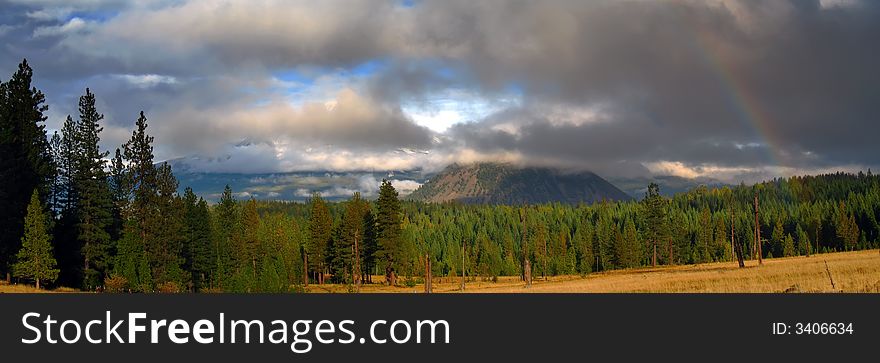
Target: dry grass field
28, 289
851, 271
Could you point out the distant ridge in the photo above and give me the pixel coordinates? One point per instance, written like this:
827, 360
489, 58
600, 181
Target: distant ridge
496, 183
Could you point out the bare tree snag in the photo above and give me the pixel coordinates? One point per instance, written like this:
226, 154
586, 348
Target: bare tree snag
462, 265
829, 275
670, 252
527, 271
429, 278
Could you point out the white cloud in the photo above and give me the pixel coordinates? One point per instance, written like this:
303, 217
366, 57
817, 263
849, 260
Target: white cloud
51, 13
405, 187
72, 26
146, 80
439, 111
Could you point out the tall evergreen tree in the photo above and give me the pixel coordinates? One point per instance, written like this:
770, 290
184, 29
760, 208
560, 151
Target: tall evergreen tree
371, 244
788, 248
778, 237
656, 230
351, 235
248, 248
94, 218
388, 228
846, 228
164, 251
145, 222
68, 248
803, 241
704, 237
35, 259
604, 238
583, 242
25, 157
227, 232
627, 247
320, 229
197, 249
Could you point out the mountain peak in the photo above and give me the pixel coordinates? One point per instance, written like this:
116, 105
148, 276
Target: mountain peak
505, 183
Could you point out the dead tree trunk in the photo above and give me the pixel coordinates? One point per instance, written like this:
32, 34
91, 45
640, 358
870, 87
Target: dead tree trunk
527, 271
670, 262
429, 277
462, 266
828, 270
739, 255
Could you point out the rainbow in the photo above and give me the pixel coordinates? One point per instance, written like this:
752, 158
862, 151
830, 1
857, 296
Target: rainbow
747, 106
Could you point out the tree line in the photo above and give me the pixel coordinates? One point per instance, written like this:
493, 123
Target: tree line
79, 216
75, 215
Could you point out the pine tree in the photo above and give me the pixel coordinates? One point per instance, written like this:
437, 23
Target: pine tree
67, 244
164, 251
704, 237
66, 163
141, 176
583, 242
94, 202
371, 244
388, 227
249, 248
197, 250
604, 246
778, 237
320, 229
130, 261
35, 259
721, 247
656, 230
56, 186
227, 232
627, 246
788, 246
345, 261
847, 229
803, 241
25, 157
145, 208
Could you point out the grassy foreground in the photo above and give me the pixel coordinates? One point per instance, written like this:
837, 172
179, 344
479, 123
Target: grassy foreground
851, 272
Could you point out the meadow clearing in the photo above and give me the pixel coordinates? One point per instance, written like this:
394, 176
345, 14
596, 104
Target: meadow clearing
853, 272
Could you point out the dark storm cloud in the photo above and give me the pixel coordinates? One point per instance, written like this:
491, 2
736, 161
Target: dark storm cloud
685, 81
750, 86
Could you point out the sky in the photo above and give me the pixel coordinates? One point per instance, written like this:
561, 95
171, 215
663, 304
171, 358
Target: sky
737, 91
